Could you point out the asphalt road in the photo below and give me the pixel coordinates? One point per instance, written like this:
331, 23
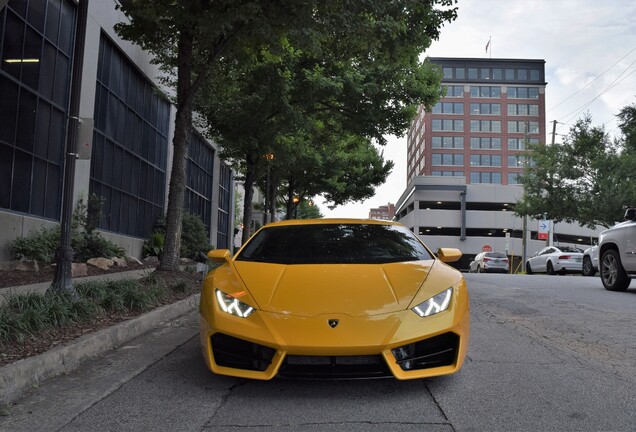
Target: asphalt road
547, 353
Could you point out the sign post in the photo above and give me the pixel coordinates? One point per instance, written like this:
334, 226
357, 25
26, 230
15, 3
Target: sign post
544, 229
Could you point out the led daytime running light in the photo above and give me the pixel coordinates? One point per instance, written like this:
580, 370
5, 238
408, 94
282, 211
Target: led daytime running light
434, 305
232, 305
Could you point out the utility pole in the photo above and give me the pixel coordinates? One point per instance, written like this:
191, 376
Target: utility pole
62, 281
524, 236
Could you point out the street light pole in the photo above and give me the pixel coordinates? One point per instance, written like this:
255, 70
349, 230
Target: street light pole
62, 281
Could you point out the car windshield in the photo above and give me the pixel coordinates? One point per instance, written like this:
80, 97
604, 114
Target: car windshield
333, 244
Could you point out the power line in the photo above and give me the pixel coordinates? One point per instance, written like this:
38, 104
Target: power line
590, 83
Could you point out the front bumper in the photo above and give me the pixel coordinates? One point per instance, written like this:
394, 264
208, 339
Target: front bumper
401, 344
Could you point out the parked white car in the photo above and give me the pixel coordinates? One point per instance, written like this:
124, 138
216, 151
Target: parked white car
590, 261
617, 251
553, 260
489, 262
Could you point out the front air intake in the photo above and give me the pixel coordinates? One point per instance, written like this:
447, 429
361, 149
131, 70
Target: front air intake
237, 353
428, 353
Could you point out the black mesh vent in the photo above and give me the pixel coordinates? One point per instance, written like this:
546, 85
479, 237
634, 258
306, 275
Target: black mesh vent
236, 353
334, 367
429, 353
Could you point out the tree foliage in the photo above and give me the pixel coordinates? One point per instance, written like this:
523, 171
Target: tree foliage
586, 179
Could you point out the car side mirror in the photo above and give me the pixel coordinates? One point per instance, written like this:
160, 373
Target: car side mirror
630, 214
219, 255
449, 254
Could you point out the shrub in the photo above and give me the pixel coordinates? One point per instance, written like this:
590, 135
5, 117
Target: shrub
39, 246
154, 245
194, 238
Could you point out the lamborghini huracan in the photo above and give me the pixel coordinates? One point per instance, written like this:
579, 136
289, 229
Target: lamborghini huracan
336, 299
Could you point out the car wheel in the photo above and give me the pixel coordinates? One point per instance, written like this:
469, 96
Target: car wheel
550, 268
612, 272
588, 270
528, 268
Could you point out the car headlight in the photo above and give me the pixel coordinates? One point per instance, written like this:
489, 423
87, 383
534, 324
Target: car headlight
434, 305
232, 305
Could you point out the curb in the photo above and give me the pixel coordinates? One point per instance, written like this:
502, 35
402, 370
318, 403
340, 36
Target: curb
16, 378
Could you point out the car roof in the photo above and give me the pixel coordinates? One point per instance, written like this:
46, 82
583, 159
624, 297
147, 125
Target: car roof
331, 221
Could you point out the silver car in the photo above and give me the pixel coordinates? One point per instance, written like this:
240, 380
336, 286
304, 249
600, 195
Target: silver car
556, 260
489, 262
590, 261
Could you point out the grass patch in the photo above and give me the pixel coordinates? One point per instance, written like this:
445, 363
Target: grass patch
26, 316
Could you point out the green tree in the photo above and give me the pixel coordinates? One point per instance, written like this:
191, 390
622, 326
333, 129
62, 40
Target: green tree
579, 180
356, 67
188, 38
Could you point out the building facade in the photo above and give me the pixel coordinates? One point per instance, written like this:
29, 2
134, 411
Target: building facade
479, 129
464, 158
383, 212
125, 136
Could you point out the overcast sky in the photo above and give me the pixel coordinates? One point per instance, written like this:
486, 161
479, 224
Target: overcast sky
590, 51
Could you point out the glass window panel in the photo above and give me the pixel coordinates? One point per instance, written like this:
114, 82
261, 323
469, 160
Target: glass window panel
495, 92
534, 75
522, 74
35, 15
436, 141
474, 177
495, 178
436, 159
21, 190
8, 109
62, 77
485, 73
533, 93
496, 74
20, 6
448, 72
6, 172
38, 191
67, 19
474, 91
460, 73
42, 129
458, 125
510, 74
12, 46
53, 20
26, 120
48, 64
32, 50
472, 73
56, 137
118, 162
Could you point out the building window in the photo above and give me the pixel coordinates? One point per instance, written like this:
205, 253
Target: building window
447, 173
484, 73
454, 91
448, 142
485, 92
517, 161
534, 75
523, 93
130, 145
34, 104
460, 73
448, 125
472, 73
519, 143
523, 110
522, 74
485, 160
496, 74
225, 194
485, 177
450, 159
200, 171
448, 108
510, 74
513, 178
448, 72
485, 109
488, 143
485, 126
521, 126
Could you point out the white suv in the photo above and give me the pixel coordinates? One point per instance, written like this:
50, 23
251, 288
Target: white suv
617, 252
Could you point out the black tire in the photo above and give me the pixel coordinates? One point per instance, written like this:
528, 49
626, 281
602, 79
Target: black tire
613, 274
528, 268
549, 268
588, 269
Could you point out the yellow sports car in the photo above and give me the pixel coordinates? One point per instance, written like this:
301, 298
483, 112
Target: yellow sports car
334, 298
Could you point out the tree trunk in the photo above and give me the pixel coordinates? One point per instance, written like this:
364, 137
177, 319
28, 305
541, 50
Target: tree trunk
170, 259
250, 176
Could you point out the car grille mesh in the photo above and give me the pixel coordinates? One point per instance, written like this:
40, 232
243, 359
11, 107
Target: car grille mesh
236, 353
429, 353
334, 367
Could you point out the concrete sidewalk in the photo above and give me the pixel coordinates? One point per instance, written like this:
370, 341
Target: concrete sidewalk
17, 377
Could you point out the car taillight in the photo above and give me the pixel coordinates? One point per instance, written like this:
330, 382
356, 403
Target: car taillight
564, 257
486, 259
505, 260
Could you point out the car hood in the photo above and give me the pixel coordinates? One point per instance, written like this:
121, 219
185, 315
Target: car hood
352, 289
